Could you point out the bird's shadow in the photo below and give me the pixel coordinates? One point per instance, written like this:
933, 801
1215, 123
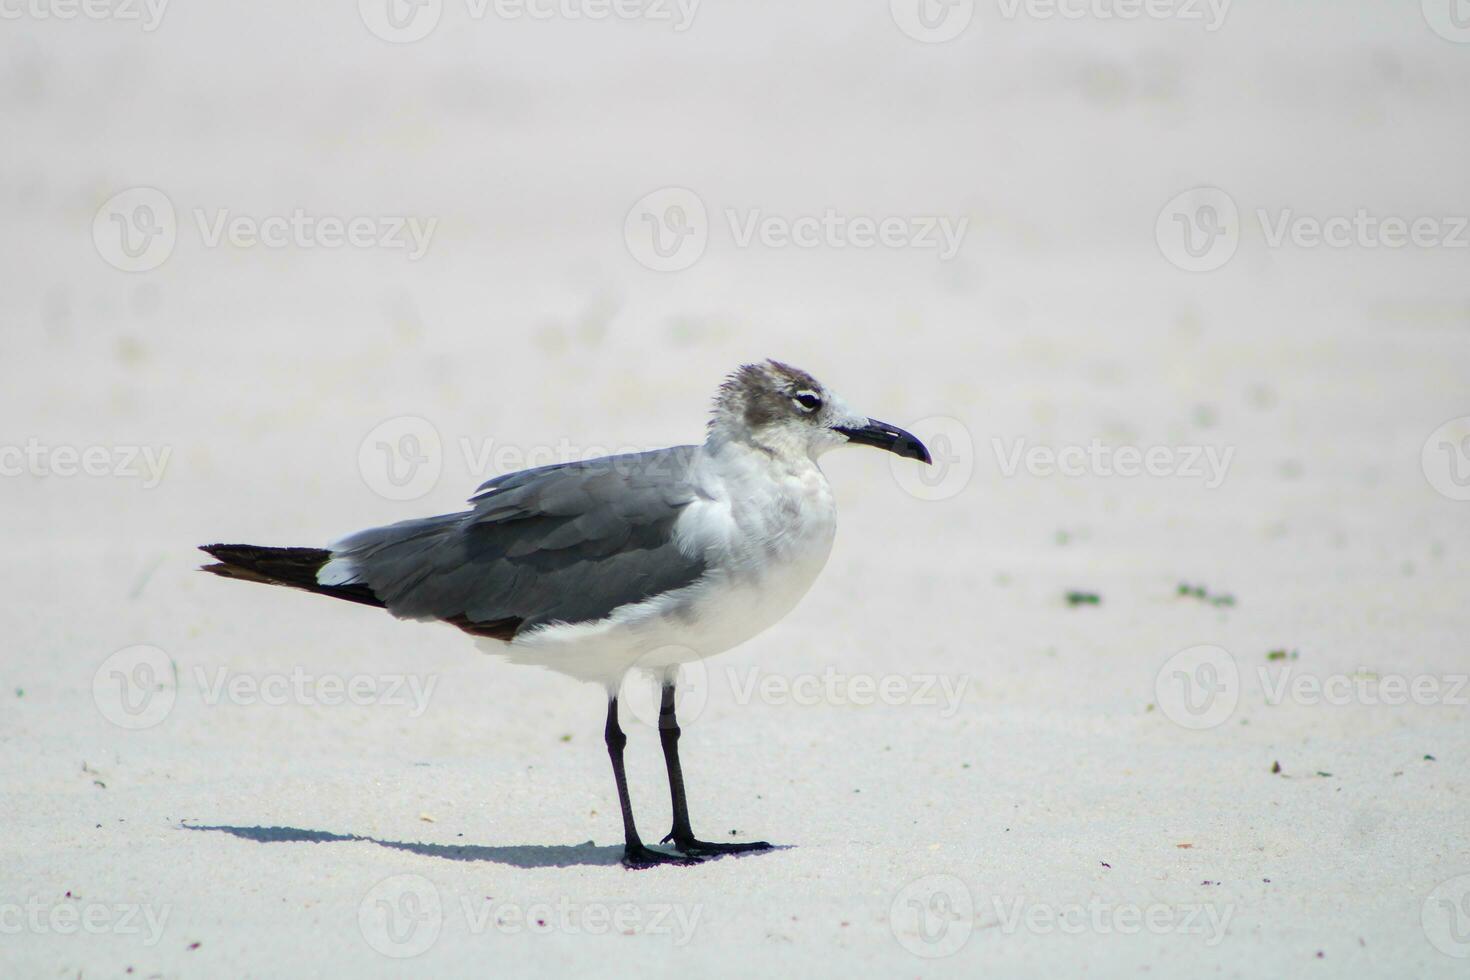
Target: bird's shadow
516, 855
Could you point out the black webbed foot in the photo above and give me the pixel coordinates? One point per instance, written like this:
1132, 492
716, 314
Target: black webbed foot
636, 856
702, 848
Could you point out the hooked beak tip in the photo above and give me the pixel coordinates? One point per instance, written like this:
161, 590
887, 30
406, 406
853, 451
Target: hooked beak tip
890, 437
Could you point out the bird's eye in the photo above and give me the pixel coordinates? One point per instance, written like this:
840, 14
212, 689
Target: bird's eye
807, 401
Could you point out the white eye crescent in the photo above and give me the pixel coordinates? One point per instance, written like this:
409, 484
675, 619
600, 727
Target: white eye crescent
809, 401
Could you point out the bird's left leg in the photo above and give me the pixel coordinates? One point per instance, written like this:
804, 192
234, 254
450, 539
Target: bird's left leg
683, 835
635, 855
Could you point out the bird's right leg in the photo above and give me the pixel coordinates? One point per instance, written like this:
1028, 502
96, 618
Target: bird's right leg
683, 834
635, 854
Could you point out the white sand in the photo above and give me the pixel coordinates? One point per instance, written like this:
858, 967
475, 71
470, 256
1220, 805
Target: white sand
236, 838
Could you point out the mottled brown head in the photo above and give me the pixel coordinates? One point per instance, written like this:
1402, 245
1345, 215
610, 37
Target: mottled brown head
760, 394
785, 411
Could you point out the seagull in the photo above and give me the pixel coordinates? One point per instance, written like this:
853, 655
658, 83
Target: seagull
635, 562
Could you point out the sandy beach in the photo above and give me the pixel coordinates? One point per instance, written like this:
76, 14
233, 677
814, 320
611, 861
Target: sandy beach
1160, 670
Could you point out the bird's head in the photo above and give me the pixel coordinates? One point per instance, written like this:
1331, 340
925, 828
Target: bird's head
785, 410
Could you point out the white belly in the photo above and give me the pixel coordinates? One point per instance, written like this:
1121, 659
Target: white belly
763, 555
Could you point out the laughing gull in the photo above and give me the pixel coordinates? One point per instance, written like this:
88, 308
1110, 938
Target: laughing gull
640, 561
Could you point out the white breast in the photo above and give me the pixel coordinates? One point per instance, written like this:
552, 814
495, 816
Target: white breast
765, 532
774, 539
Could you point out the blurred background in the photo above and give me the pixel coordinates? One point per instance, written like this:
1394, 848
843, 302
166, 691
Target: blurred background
322, 262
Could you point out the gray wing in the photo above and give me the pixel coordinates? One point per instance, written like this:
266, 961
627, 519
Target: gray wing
564, 543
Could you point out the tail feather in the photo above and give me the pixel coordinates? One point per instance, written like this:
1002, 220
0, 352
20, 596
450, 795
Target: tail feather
294, 567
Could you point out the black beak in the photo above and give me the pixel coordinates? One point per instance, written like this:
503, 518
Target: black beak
885, 436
